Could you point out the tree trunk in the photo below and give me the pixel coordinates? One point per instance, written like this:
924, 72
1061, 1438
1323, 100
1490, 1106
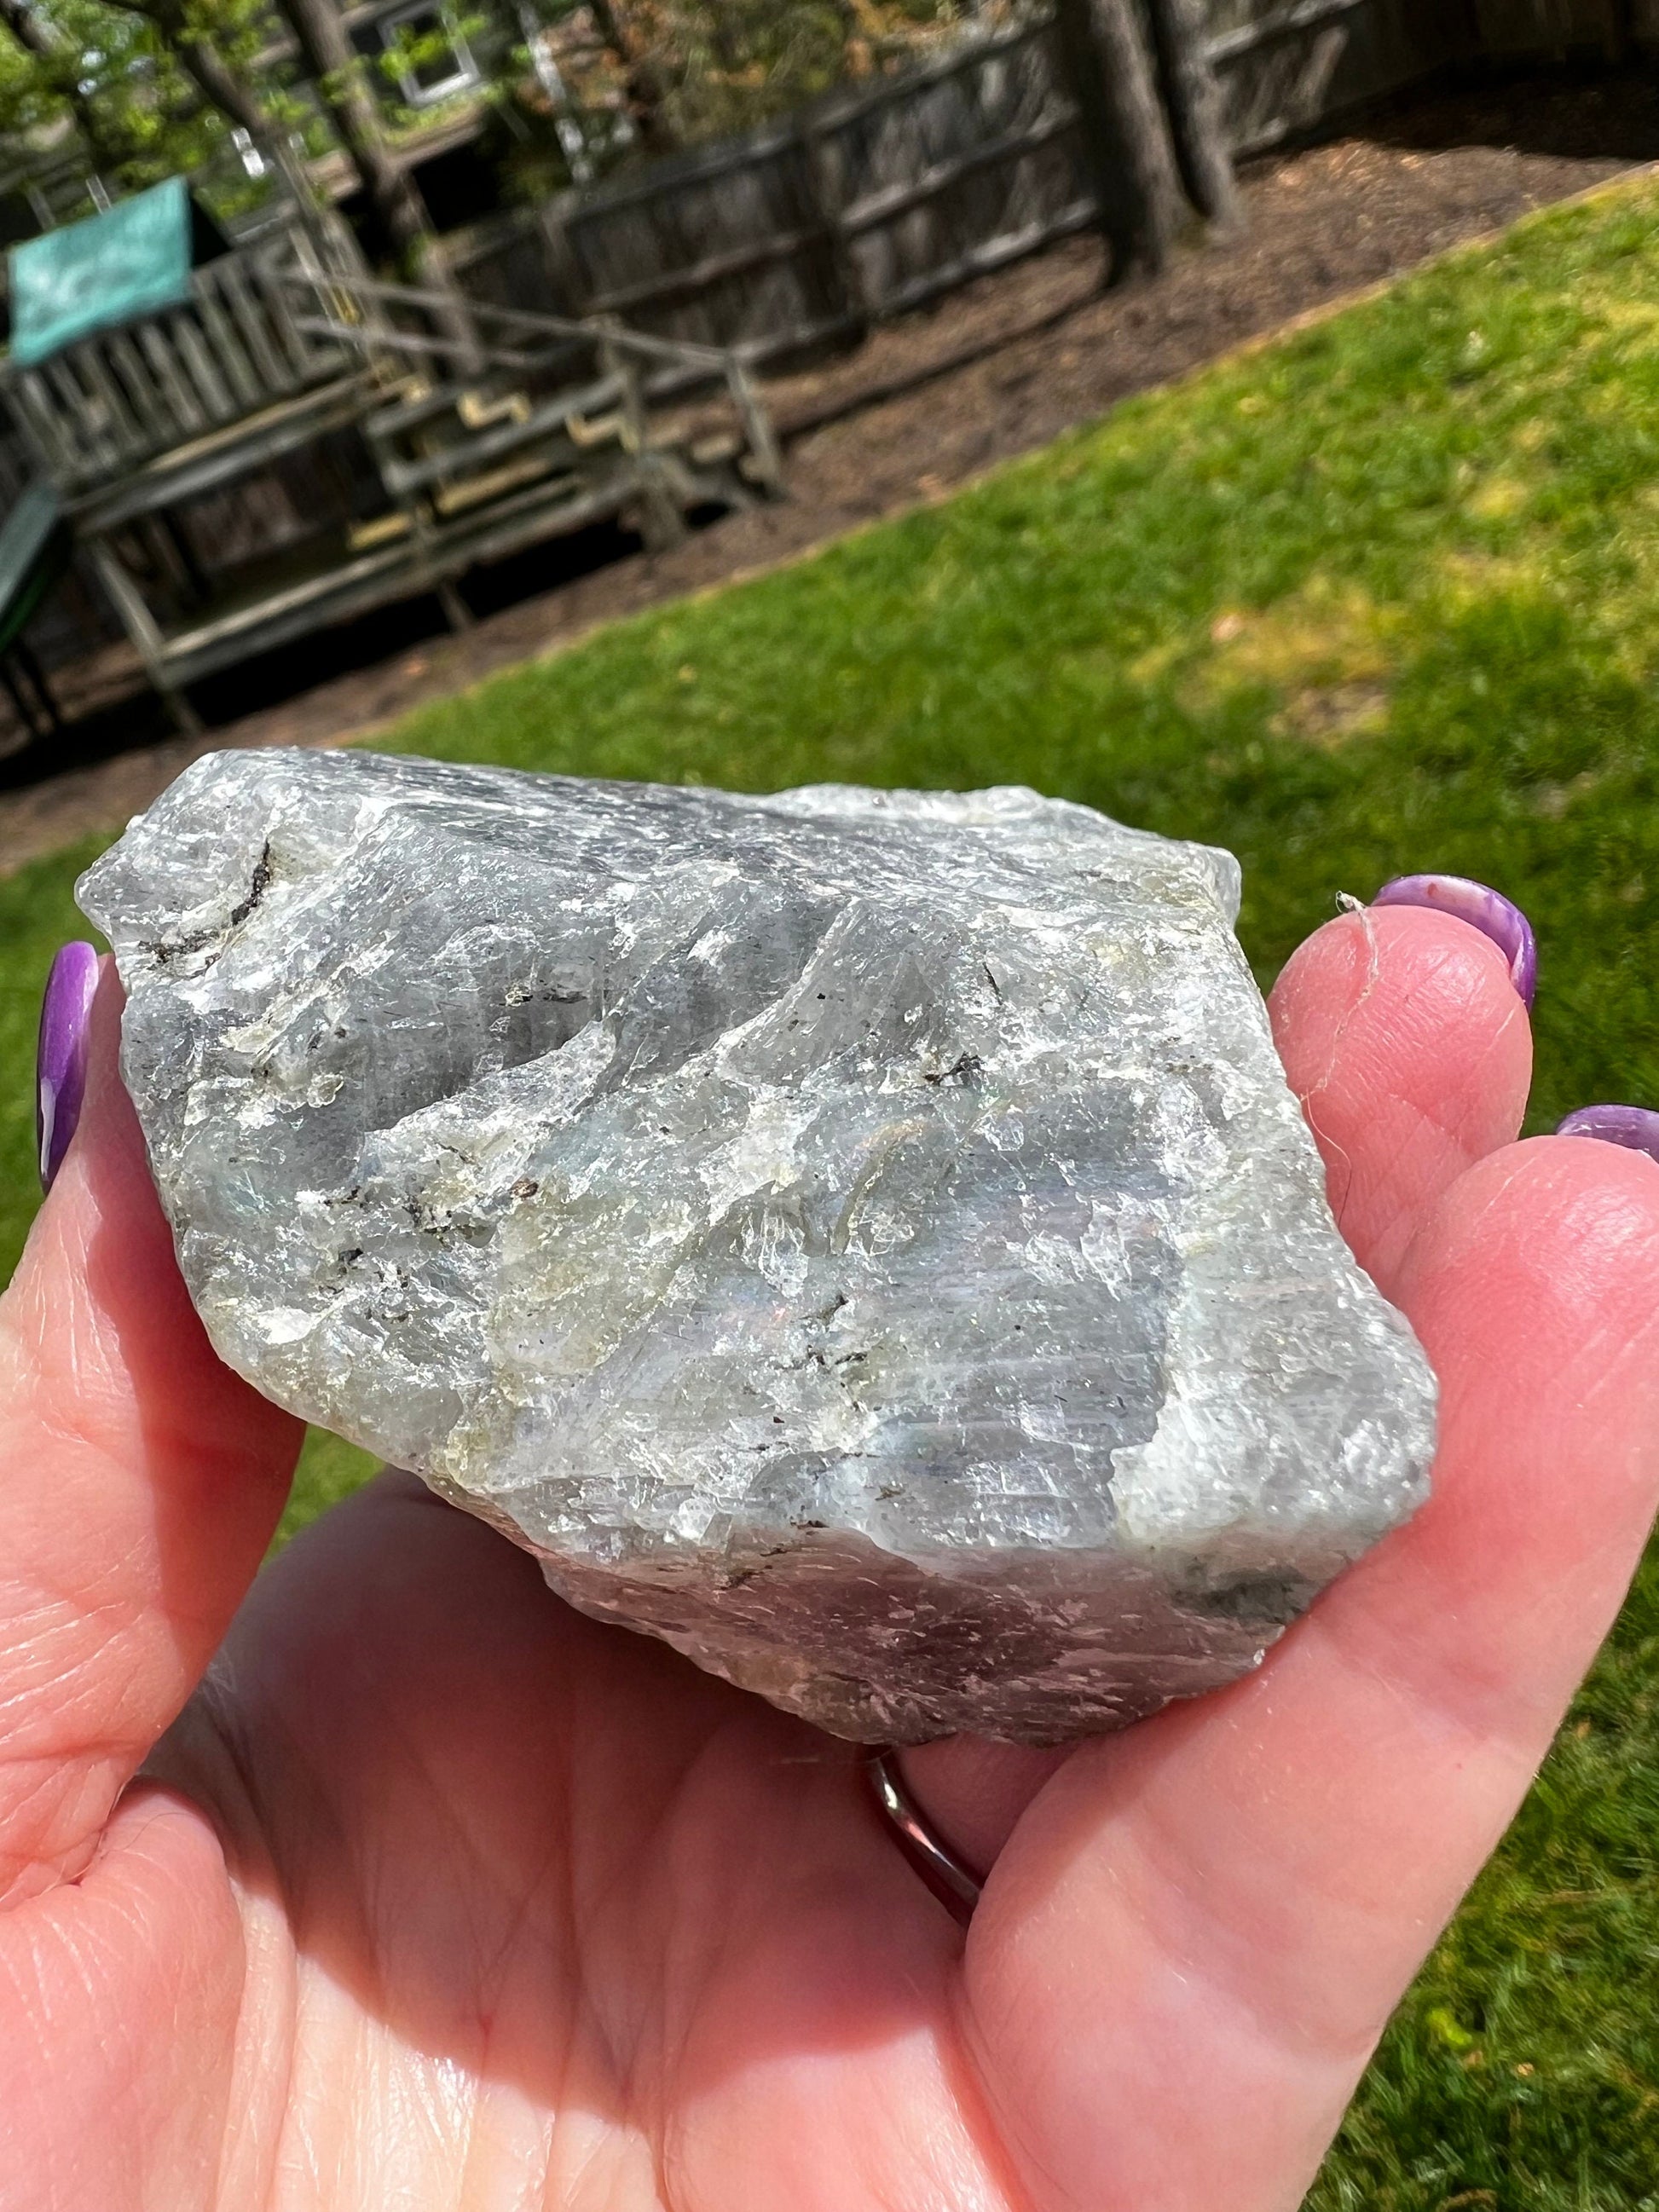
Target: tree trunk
1193, 98
221, 88
1126, 138
394, 195
331, 58
642, 83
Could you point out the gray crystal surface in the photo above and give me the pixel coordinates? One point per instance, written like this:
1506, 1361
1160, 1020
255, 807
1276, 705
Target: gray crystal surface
863, 1237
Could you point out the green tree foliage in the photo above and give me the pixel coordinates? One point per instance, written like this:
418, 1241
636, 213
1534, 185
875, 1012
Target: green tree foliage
140, 89
683, 71
121, 77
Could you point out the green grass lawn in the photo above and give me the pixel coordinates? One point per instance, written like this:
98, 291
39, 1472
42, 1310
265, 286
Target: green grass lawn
1382, 596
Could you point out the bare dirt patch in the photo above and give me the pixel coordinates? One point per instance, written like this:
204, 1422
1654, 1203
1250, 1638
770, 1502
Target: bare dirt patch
1001, 367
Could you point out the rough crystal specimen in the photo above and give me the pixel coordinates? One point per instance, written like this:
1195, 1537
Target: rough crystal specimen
863, 1237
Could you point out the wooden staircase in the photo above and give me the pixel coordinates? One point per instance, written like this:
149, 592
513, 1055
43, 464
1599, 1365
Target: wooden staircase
489, 428
512, 399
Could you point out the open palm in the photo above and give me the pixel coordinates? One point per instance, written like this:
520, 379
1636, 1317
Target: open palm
434, 1893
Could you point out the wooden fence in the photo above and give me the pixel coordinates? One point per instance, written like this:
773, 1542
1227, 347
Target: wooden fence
880, 199
808, 231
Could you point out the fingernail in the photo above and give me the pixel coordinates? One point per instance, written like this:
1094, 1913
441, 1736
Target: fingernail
1637, 1127
60, 1060
1488, 910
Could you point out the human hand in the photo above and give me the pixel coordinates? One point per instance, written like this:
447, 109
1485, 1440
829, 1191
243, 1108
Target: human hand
433, 1892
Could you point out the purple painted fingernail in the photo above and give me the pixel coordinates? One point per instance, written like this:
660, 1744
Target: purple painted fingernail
1636, 1127
60, 1061
1488, 910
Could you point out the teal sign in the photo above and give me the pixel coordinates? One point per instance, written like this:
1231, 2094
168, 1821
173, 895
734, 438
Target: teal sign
133, 260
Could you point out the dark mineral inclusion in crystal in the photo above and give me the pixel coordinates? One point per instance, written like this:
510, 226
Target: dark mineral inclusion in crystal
863, 1237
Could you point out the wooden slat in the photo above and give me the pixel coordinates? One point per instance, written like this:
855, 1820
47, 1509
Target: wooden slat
182, 403
273, 298
191, 346
571, 287
398, 417
241, 449
228, 351
41, 416
544, 423
130, 434
667, 178
903, 86
67, 398
898, 199
686, 352
148, 401
701, 275
995, 254
409, 342
1277, 23
251, 320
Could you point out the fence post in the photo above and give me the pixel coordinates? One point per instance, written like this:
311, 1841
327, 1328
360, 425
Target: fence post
661, 523
764, 453
827, 205
552, 221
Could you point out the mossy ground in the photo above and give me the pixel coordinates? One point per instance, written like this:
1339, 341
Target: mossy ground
1382, 596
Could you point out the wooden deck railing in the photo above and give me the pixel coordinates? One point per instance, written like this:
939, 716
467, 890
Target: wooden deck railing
646, 368
118, 398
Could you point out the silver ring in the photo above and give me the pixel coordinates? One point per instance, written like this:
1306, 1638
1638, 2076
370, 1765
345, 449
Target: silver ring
902, 1809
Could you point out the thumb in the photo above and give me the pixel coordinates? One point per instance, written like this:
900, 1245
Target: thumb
140, 1482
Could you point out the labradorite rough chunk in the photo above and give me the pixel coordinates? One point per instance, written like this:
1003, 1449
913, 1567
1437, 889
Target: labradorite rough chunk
863, 1237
